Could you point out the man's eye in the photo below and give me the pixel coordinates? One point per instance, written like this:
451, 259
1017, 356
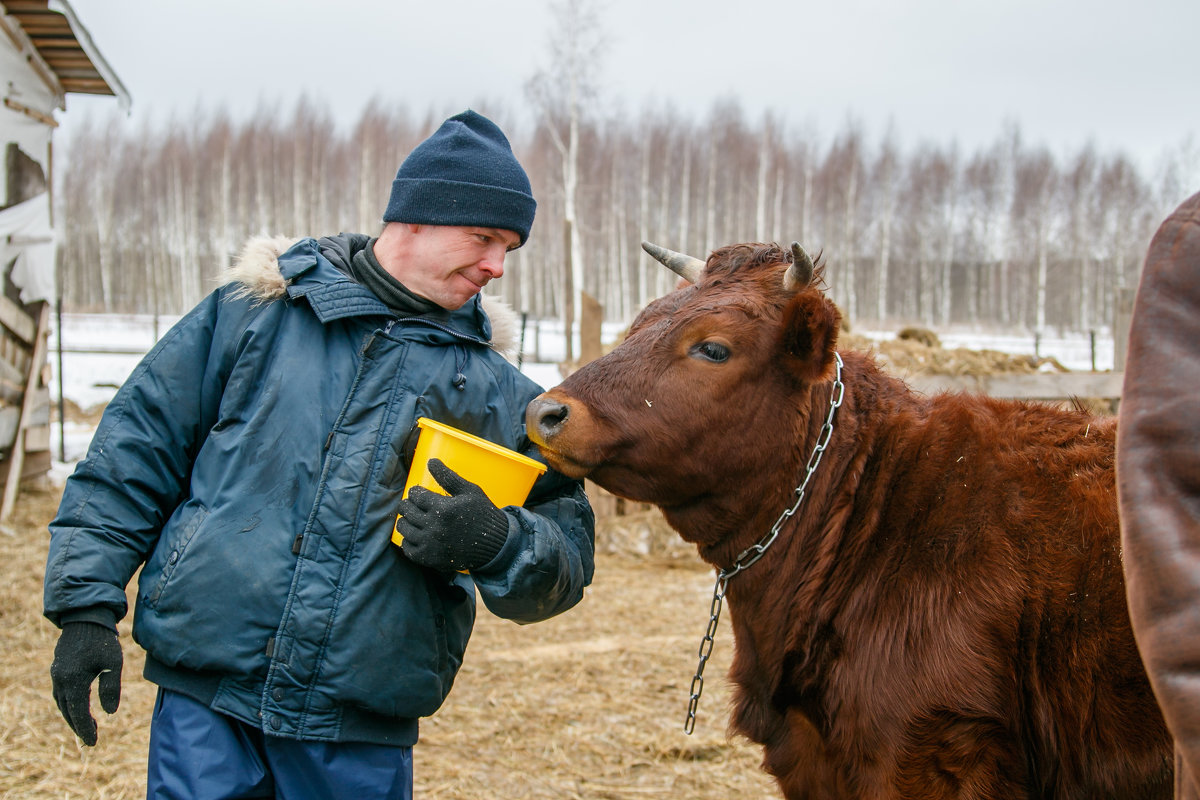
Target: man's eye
712, 351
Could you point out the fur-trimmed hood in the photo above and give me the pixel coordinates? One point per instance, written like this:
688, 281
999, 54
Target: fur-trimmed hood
255, 271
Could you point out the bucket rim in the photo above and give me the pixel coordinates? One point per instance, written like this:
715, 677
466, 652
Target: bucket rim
479, 441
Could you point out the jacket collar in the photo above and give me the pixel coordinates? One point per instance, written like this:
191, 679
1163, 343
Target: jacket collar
270, 268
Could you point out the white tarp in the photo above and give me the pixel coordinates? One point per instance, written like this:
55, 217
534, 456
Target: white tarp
25, 234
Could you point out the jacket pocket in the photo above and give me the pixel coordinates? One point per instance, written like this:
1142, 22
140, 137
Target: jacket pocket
184, 529
454, 617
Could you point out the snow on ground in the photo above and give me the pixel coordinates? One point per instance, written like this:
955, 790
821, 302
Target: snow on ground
91, 378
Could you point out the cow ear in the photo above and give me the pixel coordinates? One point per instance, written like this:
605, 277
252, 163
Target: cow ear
810, 330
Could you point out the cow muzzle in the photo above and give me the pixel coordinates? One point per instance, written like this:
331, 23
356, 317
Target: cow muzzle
546, 423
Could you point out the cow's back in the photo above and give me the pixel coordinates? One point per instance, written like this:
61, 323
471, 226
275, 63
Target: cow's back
964, 629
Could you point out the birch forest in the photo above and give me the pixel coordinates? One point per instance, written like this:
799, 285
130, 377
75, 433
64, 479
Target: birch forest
1010, 236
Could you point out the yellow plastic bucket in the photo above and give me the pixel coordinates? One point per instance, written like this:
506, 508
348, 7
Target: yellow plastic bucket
505, 475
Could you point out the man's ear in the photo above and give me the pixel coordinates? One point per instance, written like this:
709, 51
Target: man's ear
809, 334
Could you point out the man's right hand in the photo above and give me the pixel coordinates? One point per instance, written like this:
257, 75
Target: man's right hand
84, 651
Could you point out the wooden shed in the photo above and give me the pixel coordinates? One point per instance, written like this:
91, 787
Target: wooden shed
45, 55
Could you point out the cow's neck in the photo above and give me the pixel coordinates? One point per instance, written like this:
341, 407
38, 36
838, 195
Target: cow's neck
754, 511
833, 526
724, 525
755, 716
811, 566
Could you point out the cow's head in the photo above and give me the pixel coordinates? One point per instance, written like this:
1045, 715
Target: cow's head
711, 386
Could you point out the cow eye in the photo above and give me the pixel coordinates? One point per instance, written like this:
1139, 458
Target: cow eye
712, 351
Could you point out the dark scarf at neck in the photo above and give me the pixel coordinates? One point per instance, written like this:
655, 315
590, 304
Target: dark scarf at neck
366, 269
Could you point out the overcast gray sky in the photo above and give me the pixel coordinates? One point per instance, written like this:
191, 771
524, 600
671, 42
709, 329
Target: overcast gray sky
1121, 74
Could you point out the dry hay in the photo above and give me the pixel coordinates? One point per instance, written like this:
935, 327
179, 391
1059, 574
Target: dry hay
922, 335
641, 533
916, 355
589, 704
39, 756
72, 412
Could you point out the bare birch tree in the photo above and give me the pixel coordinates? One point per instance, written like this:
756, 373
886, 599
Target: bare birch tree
1025, 239
1078, 195
563, 92
1033, 207
983, 201
884, 178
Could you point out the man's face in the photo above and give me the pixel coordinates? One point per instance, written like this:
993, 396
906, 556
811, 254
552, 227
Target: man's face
448, 264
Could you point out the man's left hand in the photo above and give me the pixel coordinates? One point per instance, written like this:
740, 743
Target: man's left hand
462, 531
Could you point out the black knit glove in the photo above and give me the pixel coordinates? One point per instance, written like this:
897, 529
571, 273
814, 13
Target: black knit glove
463, 531
84, 651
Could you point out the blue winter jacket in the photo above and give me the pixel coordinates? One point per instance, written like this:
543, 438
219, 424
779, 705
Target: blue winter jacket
251, 466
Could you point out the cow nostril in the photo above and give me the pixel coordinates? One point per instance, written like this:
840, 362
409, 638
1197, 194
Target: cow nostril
551, 416
555, 416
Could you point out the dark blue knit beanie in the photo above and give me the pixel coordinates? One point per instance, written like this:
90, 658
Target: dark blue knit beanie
464, 174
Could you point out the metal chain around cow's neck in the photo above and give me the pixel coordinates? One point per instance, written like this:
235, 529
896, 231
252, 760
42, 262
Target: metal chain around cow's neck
755, 551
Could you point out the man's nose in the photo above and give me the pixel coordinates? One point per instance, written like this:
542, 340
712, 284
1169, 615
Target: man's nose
493, 262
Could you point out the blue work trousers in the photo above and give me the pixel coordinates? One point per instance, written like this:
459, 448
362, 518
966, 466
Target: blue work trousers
199, 754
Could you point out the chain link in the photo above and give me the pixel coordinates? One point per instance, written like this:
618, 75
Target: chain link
755, 551
706, 646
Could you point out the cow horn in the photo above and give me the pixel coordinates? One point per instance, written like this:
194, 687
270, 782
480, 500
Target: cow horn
686, 267
800, 273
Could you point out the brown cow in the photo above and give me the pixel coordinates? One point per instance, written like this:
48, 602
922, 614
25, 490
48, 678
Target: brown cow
944, 614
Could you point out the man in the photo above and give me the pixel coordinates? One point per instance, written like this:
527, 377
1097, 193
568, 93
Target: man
252, 467
1158, 480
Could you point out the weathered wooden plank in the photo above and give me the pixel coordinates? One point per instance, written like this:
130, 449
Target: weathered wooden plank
37, 438
34, 465
12, 386
1039, 386
1122, 317
591, 314
13, 317
38, 412
16, 454
10, 418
